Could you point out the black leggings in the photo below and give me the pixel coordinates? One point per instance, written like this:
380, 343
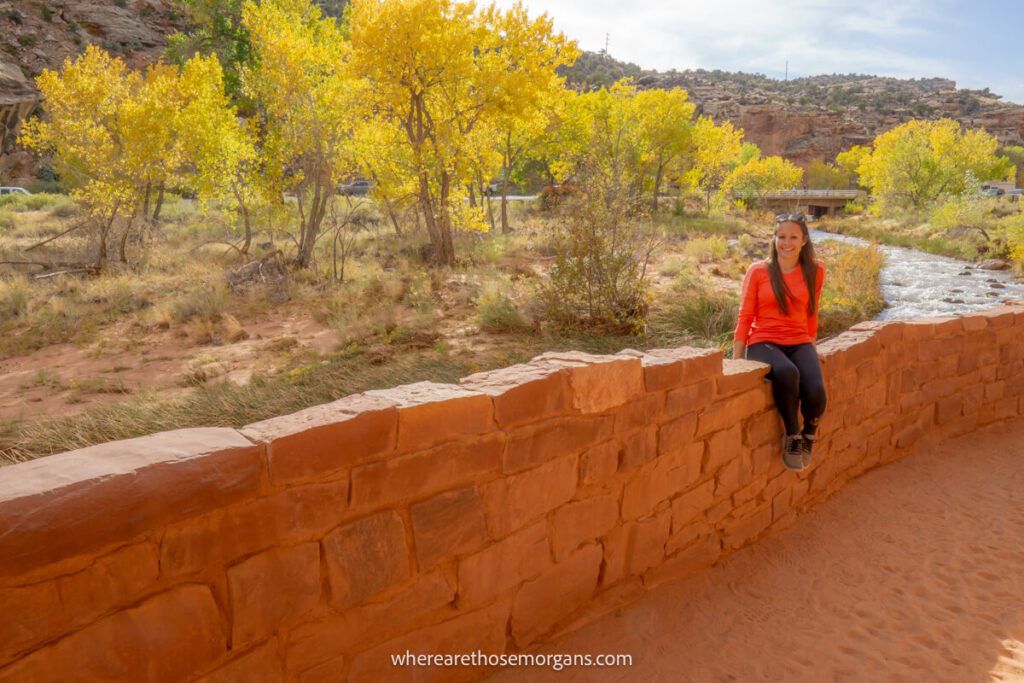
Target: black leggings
796, 378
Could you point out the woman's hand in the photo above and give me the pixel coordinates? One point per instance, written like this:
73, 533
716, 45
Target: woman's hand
738, 349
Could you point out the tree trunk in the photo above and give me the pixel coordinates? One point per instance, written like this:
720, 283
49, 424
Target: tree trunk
657, 188
505, 229
159, 203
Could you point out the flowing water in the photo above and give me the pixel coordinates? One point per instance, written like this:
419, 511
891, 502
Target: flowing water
916, 284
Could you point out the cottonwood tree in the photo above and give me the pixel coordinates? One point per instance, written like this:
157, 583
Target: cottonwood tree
436, 70
757, 177
308, 103
666, 130
919, 162
117, 133
715, 149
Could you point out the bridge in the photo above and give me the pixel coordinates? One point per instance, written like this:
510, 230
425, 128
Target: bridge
815, 203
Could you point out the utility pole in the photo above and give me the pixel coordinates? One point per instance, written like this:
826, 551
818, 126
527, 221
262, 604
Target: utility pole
787, 69
606, 36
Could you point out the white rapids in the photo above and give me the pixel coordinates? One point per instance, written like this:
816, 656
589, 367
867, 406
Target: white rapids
916, 284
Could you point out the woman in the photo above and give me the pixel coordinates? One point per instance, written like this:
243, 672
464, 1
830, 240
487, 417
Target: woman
778, 323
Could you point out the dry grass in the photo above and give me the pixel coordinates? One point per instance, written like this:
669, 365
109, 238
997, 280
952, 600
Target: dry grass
392, 313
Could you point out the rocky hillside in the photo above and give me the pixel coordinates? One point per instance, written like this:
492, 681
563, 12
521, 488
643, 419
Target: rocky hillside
808, 119
803, 119
41, 34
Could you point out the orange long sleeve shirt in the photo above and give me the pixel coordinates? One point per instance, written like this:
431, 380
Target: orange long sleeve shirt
761, 320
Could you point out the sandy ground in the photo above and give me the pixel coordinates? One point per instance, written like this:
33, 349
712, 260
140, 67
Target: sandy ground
65, 379
913, 572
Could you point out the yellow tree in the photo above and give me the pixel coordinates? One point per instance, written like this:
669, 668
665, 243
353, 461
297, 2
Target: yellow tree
115, 134
715, 148
851, 159
919, 162
308, 103
759, 176
666, 130
437, 69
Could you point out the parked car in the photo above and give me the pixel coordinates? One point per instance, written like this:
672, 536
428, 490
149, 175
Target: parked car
356, 187
493, 189
993, 191
1015, 193
13, 190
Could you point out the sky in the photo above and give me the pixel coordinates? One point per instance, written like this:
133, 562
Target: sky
977, 44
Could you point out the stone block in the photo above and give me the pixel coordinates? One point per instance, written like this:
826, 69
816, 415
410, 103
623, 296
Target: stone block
692, 504
599, 463
670, 368
523, 393
484, 575
599, 383
741, 532
538, 443
76, 502
686, 562
316, 644
417, 475
210, 542
731, 411
272, 589
739, 376
723, 446
42, 611
639, 413
638, 448
541, 603
430, 413
690, 398
169, 637
686, 535
661, 479
677, 435
512, 502
365, 557
580, 521
325, 439
449, 524
761, 429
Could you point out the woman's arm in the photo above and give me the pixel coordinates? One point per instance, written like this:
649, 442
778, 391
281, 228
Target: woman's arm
748, 306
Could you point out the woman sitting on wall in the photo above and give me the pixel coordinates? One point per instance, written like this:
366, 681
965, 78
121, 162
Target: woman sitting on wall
777, 325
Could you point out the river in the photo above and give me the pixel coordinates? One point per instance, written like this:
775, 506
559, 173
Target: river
916, 284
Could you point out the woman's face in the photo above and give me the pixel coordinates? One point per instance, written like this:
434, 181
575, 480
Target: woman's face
789, 240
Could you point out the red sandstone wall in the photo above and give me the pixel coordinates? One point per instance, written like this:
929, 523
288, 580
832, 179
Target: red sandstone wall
439, 518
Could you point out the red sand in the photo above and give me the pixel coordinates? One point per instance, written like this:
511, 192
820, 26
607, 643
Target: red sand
913, 572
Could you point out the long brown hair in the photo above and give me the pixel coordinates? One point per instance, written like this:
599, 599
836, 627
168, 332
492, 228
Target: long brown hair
807, 261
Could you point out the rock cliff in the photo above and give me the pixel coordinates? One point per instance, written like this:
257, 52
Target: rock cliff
40, 34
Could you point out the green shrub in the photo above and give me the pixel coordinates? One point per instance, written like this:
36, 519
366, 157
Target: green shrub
496, 312
706, 249
15, 295
7, 220
694, 310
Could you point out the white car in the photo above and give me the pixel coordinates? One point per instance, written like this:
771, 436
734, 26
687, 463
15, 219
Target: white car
13, 190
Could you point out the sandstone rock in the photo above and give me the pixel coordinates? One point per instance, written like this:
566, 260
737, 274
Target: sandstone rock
448, 524
62, 505
271, 589
114, 24
166, 638
540, 603
365, 557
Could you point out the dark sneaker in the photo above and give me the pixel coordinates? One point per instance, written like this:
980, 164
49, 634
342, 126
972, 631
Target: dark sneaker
806, 444
792, 456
